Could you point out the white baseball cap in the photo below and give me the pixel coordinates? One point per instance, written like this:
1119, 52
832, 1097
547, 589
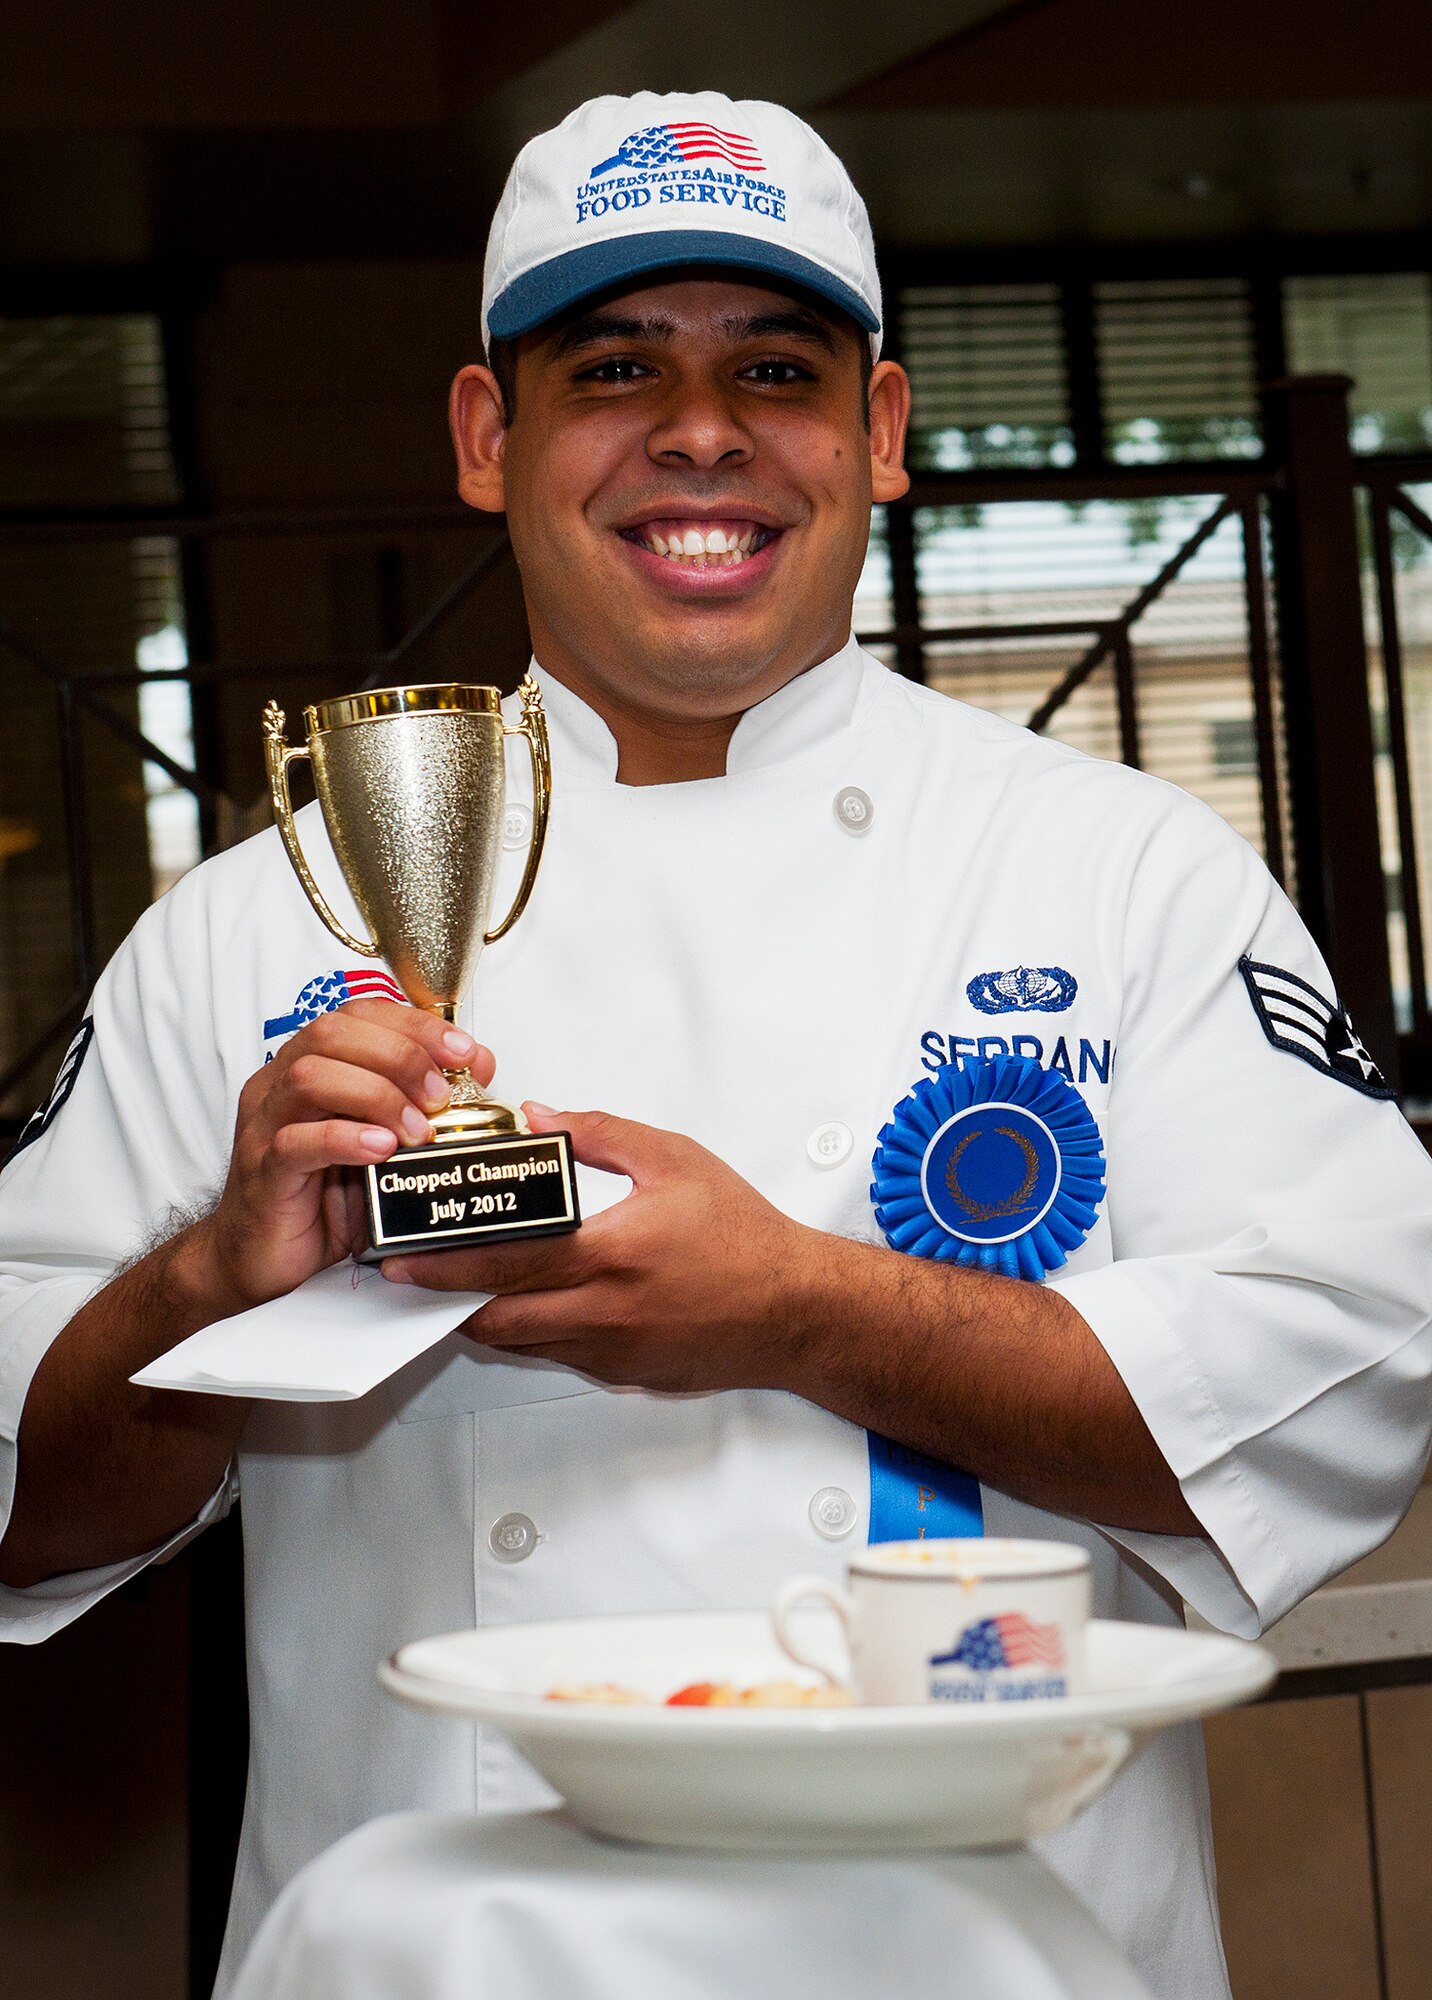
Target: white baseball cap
628, 185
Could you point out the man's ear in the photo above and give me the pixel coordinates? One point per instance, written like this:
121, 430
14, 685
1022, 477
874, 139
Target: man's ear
889, 419
479, 435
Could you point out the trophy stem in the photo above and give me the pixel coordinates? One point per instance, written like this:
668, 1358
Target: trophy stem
471, 1111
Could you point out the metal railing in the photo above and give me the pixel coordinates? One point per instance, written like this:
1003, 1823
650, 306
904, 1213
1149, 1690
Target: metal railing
1387, 501
1111, 641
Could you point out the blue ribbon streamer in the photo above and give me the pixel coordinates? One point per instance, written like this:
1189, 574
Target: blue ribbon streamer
914, 1498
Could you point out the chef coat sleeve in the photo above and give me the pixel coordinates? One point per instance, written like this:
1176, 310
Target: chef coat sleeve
128, 1145
1268, 1302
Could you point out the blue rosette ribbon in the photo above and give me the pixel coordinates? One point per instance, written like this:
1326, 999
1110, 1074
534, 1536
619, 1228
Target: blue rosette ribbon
996, 1164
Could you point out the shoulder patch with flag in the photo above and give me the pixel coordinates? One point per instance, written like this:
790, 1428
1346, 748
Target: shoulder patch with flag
1298, 1019
331, 990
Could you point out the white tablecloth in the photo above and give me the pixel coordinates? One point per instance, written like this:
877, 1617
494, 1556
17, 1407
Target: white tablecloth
428, 1906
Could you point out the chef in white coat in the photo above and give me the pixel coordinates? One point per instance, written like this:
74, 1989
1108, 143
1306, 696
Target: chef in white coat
793, 910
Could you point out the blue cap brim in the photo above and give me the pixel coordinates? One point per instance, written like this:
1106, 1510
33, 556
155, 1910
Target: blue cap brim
563, 282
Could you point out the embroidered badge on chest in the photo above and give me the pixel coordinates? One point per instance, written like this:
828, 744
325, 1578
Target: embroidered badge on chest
1023, 989
1297, 1019
996, 1164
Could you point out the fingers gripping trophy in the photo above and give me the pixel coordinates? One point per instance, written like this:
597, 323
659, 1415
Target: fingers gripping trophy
412, 785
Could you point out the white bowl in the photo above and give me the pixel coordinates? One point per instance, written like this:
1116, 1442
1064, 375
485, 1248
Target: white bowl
825, 1780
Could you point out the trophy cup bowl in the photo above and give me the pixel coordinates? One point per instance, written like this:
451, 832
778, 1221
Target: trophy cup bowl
411, 782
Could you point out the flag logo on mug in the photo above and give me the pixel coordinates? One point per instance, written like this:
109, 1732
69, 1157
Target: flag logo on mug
1008, 1640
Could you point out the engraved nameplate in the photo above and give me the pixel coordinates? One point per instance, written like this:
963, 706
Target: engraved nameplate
466, 1192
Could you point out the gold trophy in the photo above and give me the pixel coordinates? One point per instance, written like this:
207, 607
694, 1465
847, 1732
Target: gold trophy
412, 786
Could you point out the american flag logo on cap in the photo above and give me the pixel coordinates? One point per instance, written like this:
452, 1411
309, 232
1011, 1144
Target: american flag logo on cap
335, 989
1007, 1640
673, 145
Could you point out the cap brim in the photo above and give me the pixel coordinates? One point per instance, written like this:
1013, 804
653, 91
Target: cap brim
563, 282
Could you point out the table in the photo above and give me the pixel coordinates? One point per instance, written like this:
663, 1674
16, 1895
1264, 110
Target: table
527, 1906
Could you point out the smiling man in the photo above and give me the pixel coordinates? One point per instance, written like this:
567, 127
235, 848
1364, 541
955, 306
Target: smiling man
1144, 1261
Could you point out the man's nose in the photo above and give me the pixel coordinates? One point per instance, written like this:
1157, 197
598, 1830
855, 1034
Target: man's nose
699, 426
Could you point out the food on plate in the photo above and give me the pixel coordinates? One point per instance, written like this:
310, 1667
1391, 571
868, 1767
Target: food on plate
603, 1691
791, 1694
708, 1694
703, 1694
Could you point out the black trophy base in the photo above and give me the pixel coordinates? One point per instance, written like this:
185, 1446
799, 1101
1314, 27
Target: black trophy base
461, 1193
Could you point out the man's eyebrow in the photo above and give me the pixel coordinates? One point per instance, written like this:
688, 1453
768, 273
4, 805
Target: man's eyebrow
785, 323
791, 322
598, 326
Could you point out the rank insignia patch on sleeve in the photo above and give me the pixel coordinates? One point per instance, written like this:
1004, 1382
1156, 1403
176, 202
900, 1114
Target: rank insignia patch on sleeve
1297, 1018
64, 1083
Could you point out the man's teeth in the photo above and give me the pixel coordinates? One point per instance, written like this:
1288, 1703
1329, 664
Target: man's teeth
700, 545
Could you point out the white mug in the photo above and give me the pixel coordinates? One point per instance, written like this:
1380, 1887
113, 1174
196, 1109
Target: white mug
959, 1620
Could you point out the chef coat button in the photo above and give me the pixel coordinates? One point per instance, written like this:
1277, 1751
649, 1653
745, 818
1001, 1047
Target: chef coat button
516, 827
853, 809
832, 1513
830, 1144
513, 1538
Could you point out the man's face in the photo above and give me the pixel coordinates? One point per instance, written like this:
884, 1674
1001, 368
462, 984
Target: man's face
687, 478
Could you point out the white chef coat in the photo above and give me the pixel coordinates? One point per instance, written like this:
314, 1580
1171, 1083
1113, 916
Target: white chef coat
768, 962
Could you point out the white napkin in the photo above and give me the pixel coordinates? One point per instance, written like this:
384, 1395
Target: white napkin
335, 1337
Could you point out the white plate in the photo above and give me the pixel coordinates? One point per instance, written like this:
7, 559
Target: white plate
825, 1780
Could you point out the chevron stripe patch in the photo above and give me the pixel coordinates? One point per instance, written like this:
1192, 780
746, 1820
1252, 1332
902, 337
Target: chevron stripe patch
1298, 1019
64, 1083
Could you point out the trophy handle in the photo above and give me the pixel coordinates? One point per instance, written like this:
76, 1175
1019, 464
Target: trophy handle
279, 755
534, 727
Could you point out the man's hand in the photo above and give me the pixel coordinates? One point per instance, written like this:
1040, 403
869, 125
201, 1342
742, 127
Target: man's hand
694, 1281
348, 1089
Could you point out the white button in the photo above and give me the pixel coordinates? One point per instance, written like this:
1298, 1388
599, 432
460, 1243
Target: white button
516, 827
832, 1513
853, 809
513, 1538
830, 1144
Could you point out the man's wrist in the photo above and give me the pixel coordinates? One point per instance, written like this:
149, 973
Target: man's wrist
821, 1313
196, 1278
